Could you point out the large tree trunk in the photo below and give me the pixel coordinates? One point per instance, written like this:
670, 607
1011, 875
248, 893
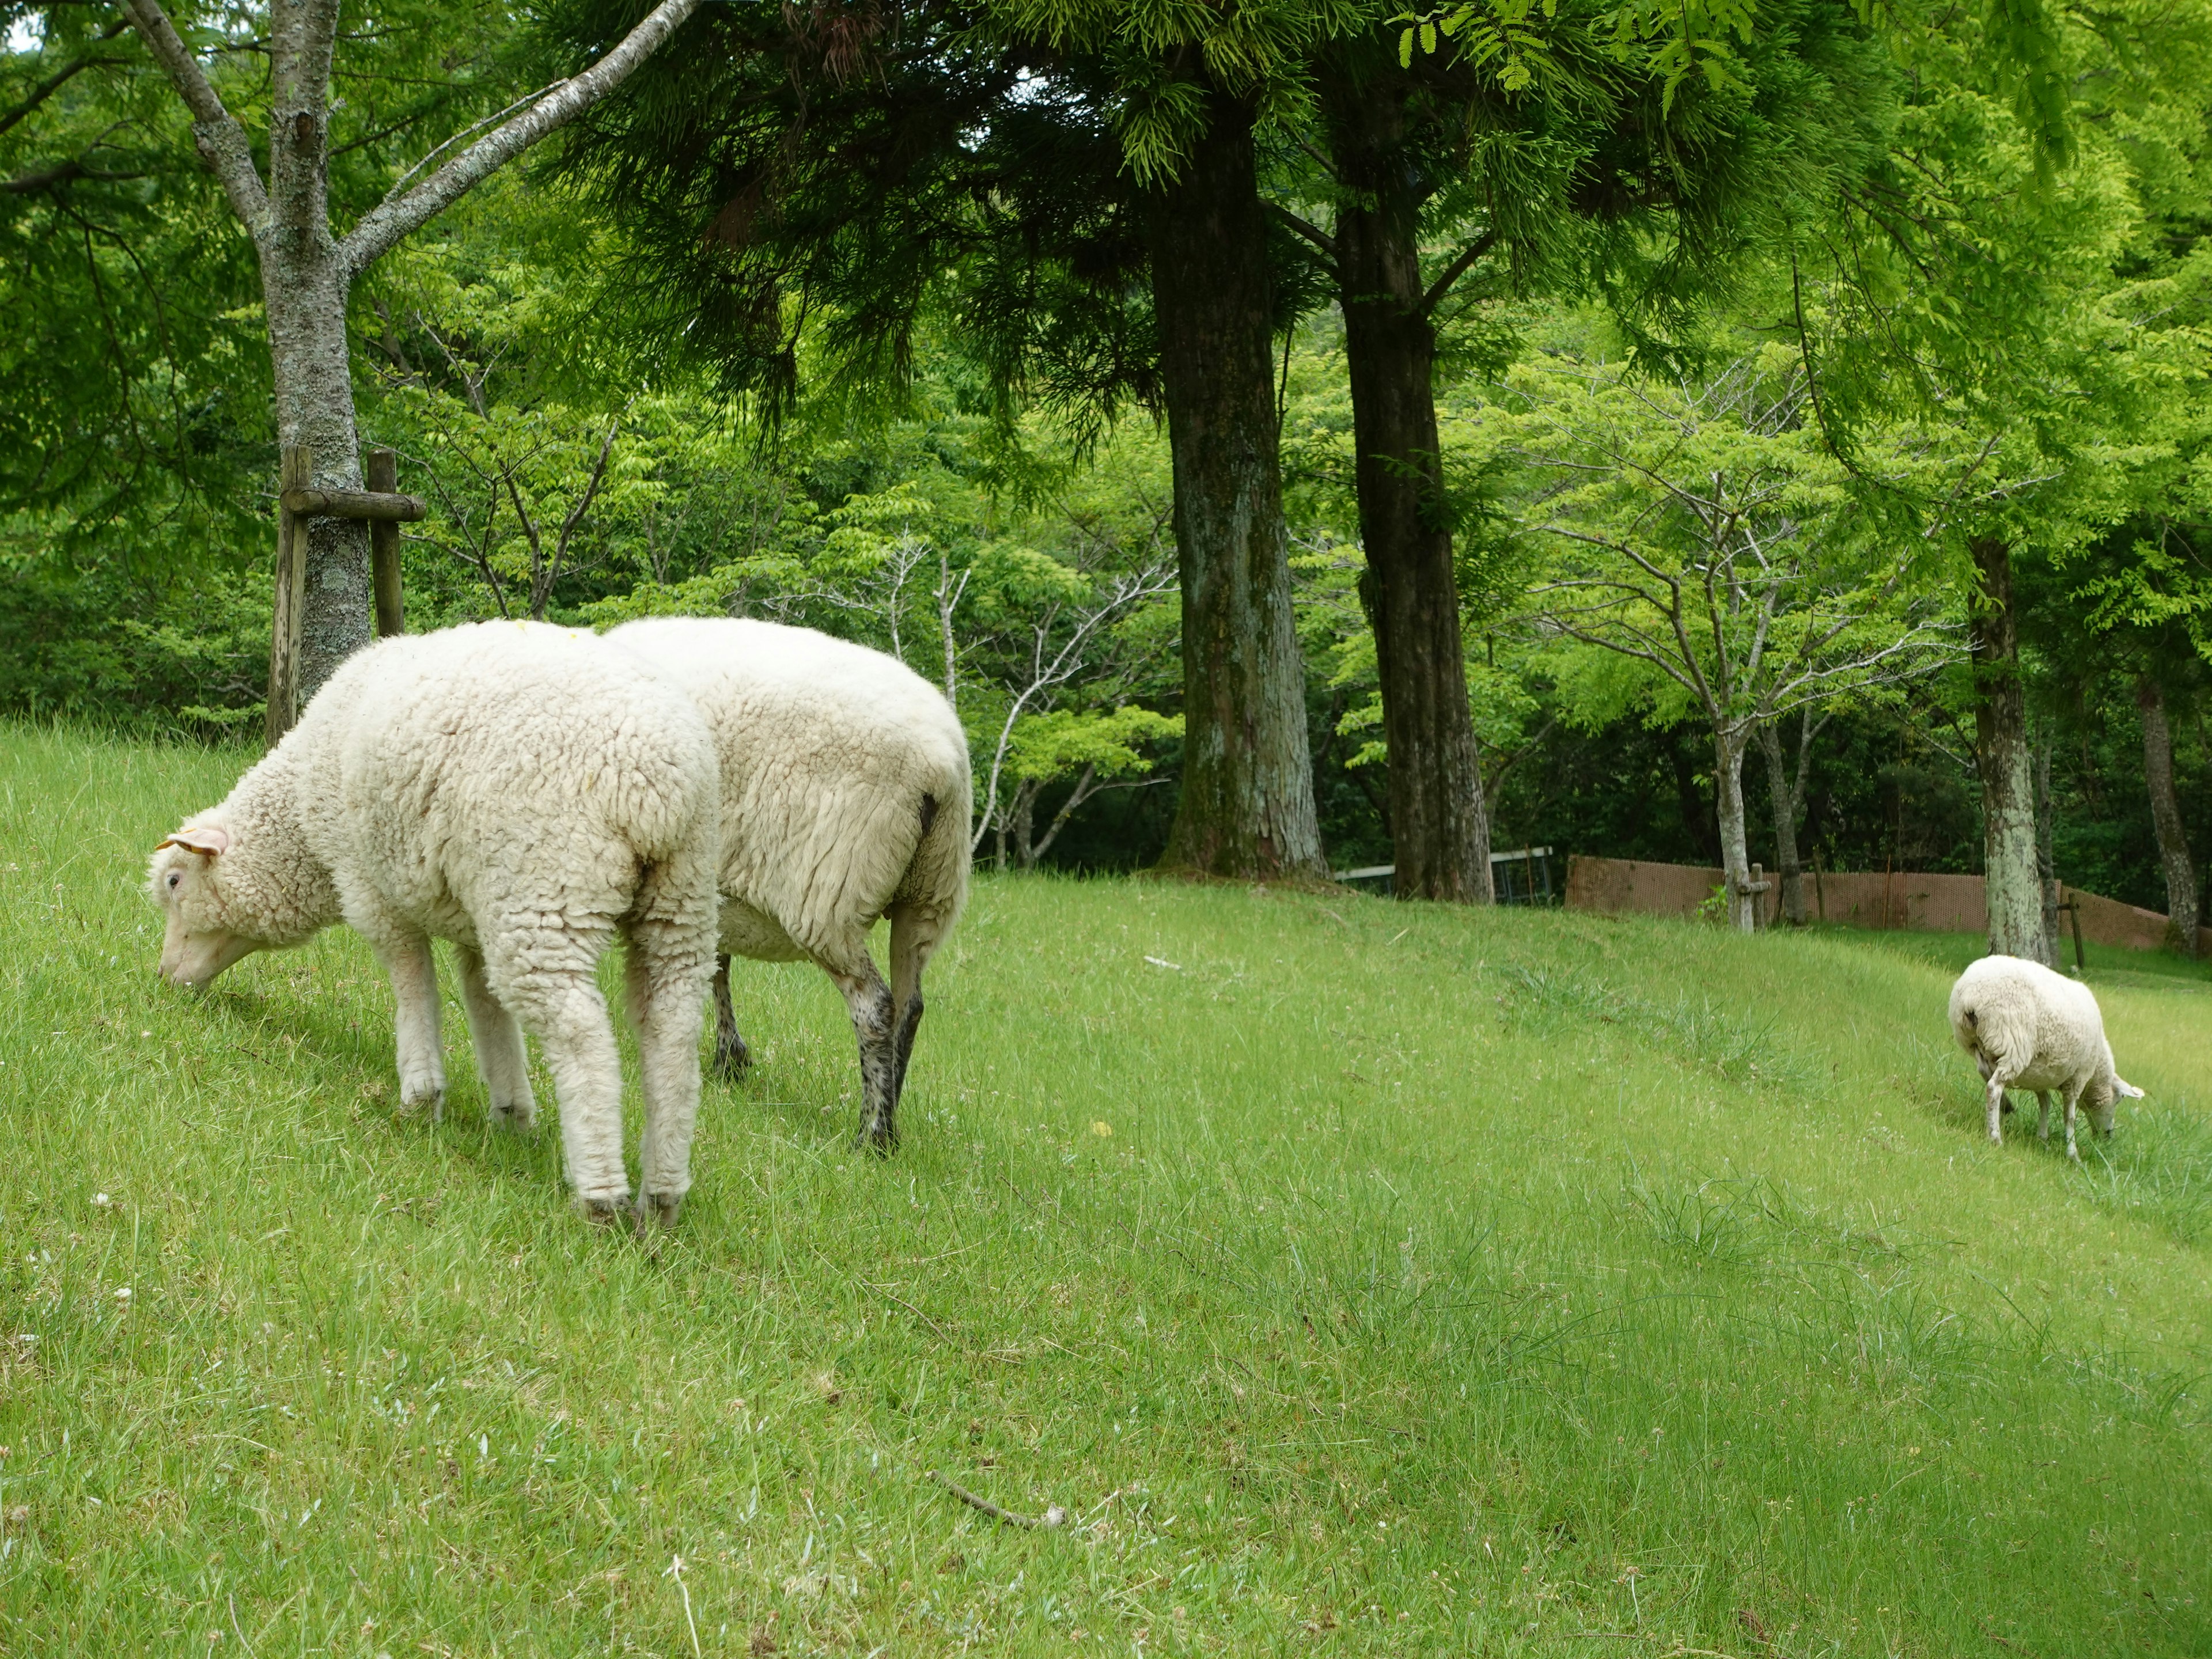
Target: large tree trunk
2003, 754
1787, 794
1736, 846
1439, 821
1247, 806
2181, 897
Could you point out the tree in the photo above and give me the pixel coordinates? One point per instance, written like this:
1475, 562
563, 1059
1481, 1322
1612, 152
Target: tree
308, 271
1565, 154
1972, 288
1706, 534
1074, 188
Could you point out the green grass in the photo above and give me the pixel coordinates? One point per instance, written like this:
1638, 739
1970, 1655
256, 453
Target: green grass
1377, 1279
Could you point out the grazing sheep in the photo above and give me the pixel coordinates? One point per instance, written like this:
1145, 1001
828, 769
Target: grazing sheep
527, 793
845, 796
2029, 1027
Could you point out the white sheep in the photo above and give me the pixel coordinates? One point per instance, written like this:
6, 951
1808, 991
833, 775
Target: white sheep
527, 793
2029, 1028
846, 797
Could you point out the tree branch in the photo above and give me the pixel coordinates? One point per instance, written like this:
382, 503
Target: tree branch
61, 77
1313, 233
1457, 268
221, 140
397, 216
30, 183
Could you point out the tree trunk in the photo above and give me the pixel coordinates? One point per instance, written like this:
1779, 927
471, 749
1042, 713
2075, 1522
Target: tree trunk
1024, 817
1736, 847
1439, 821
2181, 898
1786, 794
1247, 804
2003, 753
2046, 854
305, 291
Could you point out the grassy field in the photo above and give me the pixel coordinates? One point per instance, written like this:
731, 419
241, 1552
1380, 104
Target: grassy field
1360, 1277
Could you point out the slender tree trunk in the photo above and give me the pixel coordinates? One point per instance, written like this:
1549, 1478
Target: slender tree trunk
1247, 806
1025, 796
1736, 846
2011, 880
1784, 791
1439, 821
2046, 853
2181, 897
305, 292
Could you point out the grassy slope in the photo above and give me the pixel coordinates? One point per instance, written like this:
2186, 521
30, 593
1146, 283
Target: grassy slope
1447, 1282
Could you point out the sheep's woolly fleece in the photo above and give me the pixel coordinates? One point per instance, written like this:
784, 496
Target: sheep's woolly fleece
524, 790
2029, 1028
846, 797
829, 750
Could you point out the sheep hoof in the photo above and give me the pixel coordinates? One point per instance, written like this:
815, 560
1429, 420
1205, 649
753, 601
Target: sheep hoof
604, 1212
655, 1214
517, 1120
881, 1142
732, 1060
414, 1096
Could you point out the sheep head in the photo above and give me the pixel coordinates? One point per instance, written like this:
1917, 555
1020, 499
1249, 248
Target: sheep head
187, 880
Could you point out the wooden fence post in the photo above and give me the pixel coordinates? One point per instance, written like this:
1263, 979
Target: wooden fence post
384, 549
298, 467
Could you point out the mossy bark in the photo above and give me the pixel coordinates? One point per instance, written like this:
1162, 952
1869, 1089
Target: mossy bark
1247, 802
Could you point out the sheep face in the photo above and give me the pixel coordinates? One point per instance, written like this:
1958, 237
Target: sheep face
186, 881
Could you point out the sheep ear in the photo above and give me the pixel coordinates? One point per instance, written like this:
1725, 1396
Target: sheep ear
208, 840
2123, 1086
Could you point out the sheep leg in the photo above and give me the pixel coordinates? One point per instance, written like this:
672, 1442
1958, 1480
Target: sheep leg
671, 932
1997, 1092
873, 1023
662, 971
2042, 1114
406, 956
550, 985
500, 1059
914, 937
732, 1057
2072, 1153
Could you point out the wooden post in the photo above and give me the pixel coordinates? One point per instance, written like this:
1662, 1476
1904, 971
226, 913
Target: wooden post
1758, 890
384, 549
298, 467
2072, 905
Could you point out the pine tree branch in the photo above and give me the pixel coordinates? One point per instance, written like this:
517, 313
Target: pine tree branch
1457, 268
221, 140
1313, 233
397, 216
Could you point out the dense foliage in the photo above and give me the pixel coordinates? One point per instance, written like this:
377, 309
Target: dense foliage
915, 414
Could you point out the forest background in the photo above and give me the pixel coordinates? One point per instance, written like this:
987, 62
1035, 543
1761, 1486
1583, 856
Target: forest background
1991, 322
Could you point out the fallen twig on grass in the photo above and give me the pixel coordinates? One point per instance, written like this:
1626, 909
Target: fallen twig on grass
1051, 1517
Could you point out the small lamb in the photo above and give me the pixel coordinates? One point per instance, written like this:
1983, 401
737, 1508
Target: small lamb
2029, 1028
846, 797
527, 793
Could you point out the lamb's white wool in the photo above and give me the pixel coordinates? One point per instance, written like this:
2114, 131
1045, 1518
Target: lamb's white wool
2029, 1028
846, 797
527, 793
